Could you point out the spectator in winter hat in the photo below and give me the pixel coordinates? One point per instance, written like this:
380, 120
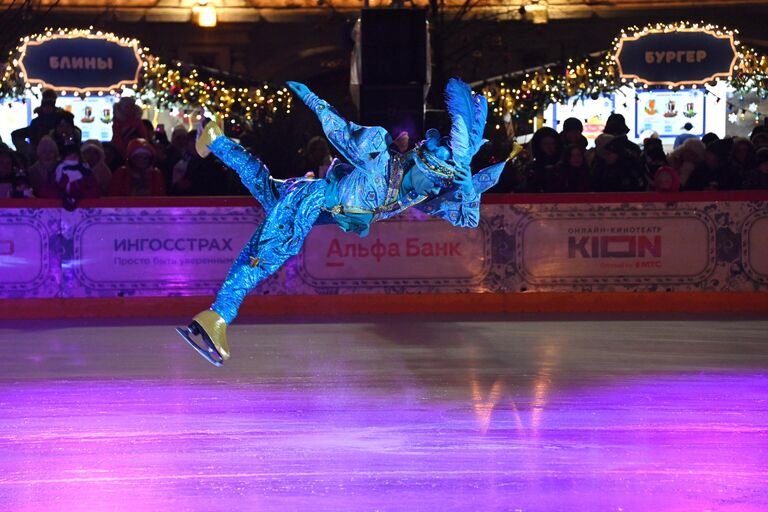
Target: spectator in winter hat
716, 159
572, 132
572, 173
127, 124
684, 136
66, 134
689, 162
74, 178
112, 156
47, 119
741, 160
616, 125
652, 158
546, 148
139, 177
666, 179
615, 169
93, 154
757, 177
709, 138
173, 154
42, 174
759, 140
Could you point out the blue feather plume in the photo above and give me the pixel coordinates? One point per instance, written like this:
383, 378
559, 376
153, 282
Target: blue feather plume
468, 115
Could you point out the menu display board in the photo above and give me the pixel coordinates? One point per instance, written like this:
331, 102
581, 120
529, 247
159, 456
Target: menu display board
93, 115
591, 112
666, 112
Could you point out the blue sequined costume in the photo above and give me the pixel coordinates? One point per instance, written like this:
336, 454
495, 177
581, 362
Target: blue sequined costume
353, 195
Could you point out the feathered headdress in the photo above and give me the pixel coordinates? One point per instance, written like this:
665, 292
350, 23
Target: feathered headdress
468, 113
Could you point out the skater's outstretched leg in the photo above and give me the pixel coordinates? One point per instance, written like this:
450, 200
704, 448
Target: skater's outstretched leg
279, 237
252, 171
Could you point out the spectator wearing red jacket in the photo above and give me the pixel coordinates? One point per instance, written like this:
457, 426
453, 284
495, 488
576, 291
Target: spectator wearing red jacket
139, 177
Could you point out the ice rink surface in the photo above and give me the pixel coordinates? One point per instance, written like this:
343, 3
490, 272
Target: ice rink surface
399, 414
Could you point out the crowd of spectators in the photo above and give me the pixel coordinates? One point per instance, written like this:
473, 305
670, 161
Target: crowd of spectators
51, 161
560, 162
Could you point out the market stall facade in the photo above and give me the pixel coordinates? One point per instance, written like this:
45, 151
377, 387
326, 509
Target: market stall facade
659, 77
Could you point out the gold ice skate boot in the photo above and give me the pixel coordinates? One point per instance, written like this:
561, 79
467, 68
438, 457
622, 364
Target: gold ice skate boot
212, 330
207, 132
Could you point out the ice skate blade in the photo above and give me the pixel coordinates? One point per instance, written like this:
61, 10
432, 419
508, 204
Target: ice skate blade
209, 353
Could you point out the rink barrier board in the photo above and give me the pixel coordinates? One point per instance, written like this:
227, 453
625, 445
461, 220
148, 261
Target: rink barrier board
310, 306
562, 198
687, 242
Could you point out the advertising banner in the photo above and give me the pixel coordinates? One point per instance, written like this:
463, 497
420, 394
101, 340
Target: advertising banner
109, 252
652, 246
170, 251
401, 252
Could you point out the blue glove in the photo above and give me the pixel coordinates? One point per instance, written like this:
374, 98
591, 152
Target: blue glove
463, 178
299, 89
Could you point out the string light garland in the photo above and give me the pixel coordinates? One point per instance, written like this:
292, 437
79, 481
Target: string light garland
522, 97
164, 85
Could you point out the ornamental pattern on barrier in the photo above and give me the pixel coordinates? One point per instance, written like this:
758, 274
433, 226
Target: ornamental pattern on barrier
730, 219
30, 256
754, 241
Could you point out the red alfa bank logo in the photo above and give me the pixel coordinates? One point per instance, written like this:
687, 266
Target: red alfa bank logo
614, 246
7, 248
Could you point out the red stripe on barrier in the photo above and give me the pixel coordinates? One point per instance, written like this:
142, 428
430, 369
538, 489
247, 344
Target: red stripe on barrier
288, 306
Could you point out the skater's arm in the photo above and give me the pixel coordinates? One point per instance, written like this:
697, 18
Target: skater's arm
459, 207
365, 147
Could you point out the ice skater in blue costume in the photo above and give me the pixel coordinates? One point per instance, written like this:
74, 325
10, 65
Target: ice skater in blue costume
376, 184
